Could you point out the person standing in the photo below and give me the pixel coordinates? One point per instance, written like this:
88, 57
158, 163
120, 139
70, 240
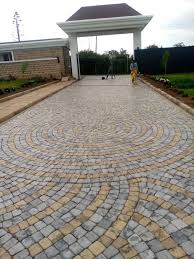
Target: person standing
111, 68
134, 71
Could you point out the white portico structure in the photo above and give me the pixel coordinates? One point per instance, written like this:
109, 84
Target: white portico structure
102, 20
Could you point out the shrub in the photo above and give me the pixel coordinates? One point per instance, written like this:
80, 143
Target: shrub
180, 92
7, 90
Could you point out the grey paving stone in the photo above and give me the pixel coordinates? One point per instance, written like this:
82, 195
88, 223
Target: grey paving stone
51, 252
147, 254
110, 252
164, 255
69, 239
188, 247
16, 249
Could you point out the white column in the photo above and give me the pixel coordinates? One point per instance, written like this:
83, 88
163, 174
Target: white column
74, 51
136, 40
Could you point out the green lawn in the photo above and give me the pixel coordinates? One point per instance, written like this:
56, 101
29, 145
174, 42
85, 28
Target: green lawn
12, 83
12, 86
182, 81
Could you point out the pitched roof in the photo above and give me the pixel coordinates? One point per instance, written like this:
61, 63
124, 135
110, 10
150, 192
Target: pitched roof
103, 11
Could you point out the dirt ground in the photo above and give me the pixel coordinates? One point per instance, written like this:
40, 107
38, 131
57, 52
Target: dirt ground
187, 100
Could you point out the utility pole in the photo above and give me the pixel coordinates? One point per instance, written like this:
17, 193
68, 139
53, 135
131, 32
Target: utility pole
16, 21
96, 44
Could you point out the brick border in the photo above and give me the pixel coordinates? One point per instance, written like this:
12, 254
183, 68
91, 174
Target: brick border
7, 98
12, 114
171, 98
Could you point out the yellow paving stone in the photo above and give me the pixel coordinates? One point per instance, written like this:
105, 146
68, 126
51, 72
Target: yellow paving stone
181, 214
78, 257
82, 218
144, 221
20, 204
48, 211
174, 209
106, 241
23, 224
41, 215
112, 233
32, 220
119, 225
166, 205
56, 206
153, 227
35, 249
169, 243
177, 252
2, 251
124, 218
137, 217
75, 223
55, 236
86, 254
45, 243
120, 242
189, 220
14, 229
128, 252
66, 229
6, 256
161, 234
28, 199
88, 213
97, 248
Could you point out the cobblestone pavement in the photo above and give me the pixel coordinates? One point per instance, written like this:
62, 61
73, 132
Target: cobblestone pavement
100, 170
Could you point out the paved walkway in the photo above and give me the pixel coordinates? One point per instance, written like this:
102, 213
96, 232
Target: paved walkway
13, 106
99, 170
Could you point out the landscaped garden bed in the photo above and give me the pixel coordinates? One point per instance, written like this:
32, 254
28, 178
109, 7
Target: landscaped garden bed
11, 86
180, 86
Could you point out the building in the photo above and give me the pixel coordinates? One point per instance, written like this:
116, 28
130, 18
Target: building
103, 20
48, 58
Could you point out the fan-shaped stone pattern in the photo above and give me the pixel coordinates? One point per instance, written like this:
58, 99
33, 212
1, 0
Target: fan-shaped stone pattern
102, 169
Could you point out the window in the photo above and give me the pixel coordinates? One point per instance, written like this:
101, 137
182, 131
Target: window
6, 56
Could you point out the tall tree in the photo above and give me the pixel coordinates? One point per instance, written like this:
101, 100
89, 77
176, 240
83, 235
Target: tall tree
16, 22
179, 44
153, 46
165, 60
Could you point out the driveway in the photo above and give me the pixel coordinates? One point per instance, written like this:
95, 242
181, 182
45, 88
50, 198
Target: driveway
101, 169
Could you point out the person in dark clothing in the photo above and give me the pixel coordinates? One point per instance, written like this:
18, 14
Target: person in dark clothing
110, 69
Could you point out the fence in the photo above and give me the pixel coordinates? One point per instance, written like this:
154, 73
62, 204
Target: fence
181, 60
99, 66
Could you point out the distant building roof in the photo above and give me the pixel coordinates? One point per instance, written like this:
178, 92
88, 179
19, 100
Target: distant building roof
103, 11
43, 43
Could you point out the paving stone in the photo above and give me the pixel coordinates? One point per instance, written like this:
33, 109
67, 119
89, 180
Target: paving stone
16, 248
188, 247
102, 169
110, 252
164, 255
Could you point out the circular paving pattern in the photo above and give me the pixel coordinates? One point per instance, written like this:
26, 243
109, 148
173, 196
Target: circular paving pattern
100, 170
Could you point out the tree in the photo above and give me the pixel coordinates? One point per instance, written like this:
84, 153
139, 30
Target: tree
180, 44
153, 46
123, 52
165, 60
16, 21
113, 53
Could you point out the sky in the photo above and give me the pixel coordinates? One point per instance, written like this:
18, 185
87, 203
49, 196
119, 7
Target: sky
173, 22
